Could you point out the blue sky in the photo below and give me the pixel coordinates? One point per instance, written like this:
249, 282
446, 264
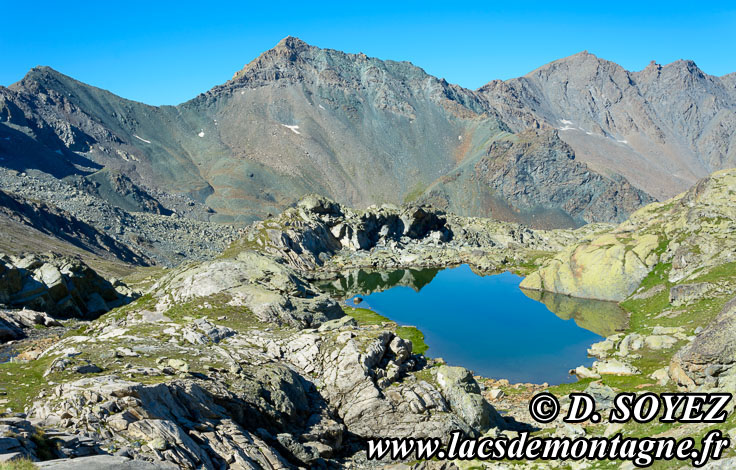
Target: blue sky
162, 52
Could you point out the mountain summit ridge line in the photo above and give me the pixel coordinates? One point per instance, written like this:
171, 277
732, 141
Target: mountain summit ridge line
299, 119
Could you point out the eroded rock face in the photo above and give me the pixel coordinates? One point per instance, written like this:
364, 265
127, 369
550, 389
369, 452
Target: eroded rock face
710, 357
58, 285
318, 228
184, 422
368, 380
323, 237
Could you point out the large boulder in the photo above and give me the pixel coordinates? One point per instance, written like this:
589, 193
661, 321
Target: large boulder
59, 285
463, 394
711, 355
274, 292
609, 267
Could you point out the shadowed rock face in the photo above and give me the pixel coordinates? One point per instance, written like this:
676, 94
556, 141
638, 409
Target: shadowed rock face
59, 285
299, 119
55, 222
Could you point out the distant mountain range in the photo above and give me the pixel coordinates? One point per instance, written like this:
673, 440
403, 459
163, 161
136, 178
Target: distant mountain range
575, 141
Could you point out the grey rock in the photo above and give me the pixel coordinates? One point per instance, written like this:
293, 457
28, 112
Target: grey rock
684, 293
602, 394
463, 395
57, 285
101, 462
714, 346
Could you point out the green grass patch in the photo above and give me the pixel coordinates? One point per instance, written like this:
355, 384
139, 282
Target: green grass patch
23, 382
414, 193
20, 464
368, 317
565, 389
724, 271
415, 336
365, 316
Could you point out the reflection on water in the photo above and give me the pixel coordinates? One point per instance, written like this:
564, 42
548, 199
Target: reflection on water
602, 318
486, 323
360, 282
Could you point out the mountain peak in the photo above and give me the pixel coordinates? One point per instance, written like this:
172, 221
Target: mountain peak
285, 53
41, 71
292, 43
41, 74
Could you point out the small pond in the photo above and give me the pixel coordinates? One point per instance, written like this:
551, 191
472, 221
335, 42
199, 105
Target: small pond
487, 323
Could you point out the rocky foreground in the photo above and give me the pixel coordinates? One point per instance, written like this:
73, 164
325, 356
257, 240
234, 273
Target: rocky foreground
242, 362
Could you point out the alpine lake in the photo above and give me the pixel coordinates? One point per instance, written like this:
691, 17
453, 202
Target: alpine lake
486, 323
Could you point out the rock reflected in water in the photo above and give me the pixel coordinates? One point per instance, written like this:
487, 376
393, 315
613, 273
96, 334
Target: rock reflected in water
600, 317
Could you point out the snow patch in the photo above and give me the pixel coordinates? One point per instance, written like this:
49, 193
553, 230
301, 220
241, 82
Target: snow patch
568, 128
622, 141
293, 128
142, 139
459, 137
242, 92
565, 122
321, 107
201, 133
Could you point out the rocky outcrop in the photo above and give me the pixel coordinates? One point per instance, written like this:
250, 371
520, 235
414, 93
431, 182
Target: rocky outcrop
320, 233
369, 382
685, 293
604, 268
58, 285
274, 292
691, 231
317, 228
14, 322
709, 358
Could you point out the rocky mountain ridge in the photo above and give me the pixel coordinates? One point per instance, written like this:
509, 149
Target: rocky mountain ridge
299, 119
662, 128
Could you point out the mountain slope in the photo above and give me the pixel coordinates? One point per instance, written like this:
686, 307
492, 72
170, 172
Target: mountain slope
662, 128
299, 119
534, 177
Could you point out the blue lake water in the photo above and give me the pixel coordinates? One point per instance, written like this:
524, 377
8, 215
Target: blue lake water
487, 323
